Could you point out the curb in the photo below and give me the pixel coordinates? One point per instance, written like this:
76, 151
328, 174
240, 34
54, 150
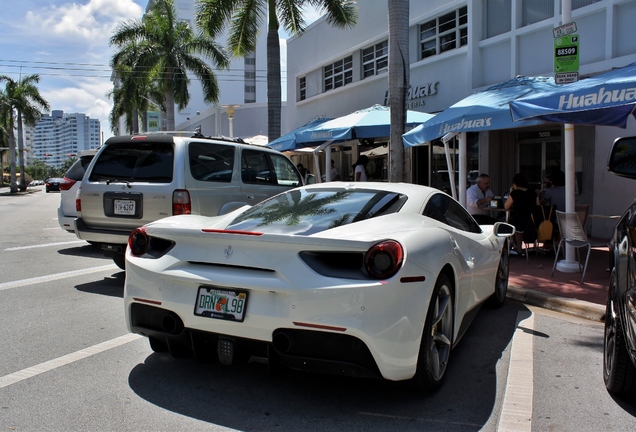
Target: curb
26, 192
579, 308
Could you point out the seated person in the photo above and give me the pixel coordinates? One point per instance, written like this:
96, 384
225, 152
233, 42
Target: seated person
554, 193
521, 202
479, 196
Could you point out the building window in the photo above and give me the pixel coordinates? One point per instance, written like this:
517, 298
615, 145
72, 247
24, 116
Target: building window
444, 33
250, 89
375, 59
339, 73
533, 11
302, 87
250, 60
582, 3
250, 75
498, 17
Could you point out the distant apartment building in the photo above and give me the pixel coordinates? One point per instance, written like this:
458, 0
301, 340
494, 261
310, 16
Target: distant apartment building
58, 137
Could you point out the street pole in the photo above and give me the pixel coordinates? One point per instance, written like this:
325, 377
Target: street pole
568, 265
230, 110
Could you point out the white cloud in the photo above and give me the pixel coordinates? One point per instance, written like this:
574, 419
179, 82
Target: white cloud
92, 22
68, 34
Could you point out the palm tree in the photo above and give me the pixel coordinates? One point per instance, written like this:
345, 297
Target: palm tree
132, 100
4, 133
23, 98
399, 71
244, 18
161, 45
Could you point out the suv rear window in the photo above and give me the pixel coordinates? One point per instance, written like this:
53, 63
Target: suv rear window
77, 170
150, 162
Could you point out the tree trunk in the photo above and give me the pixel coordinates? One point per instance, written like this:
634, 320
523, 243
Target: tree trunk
22, 185
273, 76
169, 102
399, 73
13, 186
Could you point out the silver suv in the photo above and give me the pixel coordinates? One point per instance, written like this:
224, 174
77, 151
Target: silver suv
137, 179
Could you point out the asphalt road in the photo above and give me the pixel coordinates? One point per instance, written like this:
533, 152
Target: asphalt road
68, 363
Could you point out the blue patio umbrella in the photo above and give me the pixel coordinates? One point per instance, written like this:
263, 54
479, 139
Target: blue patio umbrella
485, 110
288, 142
372, 122
605, 99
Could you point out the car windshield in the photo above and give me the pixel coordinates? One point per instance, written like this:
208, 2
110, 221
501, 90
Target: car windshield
305, 212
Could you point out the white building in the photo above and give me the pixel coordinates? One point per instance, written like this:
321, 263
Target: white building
458, 48
58, 137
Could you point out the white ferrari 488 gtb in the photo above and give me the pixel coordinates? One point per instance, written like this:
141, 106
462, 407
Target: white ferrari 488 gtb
362, 279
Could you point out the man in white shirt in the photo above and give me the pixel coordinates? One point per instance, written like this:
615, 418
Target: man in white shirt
479, 196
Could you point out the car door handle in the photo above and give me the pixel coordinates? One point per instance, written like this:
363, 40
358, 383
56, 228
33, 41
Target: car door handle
250, 197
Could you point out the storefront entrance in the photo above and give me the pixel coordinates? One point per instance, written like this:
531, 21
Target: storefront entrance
539, 153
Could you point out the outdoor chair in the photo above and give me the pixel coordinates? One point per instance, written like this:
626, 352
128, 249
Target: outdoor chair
573, 234
582, 210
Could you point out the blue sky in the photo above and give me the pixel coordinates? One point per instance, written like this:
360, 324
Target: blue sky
66, 43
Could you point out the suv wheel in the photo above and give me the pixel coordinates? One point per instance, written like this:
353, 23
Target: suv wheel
120, 260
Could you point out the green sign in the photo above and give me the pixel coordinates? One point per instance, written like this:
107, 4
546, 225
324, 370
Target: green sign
566, 54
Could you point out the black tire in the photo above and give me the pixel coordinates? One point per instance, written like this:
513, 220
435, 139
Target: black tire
157, 345
619, 373
120, 260
498, 298
437, 339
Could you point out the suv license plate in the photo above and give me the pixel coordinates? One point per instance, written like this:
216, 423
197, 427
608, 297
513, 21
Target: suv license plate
124, 207
221, 304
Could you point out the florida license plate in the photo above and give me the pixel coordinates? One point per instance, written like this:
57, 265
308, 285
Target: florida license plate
223, 304
124, 207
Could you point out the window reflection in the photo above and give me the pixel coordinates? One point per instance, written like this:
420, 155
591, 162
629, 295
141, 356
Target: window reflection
304, 212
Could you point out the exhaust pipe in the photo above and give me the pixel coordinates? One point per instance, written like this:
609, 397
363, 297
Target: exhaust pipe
171, 324
283, 342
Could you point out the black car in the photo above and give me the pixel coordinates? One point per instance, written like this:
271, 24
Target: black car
53, 184
619, 348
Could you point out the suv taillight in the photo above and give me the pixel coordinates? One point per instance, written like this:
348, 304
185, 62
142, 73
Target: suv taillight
78, 200
181, 203
67, 183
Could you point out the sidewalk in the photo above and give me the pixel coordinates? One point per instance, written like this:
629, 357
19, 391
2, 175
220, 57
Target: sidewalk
530, 282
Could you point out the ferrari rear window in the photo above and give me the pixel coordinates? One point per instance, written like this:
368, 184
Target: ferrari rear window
306, 212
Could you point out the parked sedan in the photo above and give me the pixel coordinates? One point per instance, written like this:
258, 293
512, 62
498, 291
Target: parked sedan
619, 348
53, 184
362, 279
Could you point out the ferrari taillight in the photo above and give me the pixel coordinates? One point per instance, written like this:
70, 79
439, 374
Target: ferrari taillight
181, 203
384, 259
138, 241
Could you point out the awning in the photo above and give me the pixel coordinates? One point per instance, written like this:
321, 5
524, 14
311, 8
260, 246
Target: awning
486, 110
606, 99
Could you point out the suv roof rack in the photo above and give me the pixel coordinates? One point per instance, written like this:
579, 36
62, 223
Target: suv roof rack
191, 134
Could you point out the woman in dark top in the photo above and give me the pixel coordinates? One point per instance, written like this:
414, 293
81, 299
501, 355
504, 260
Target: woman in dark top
521, 203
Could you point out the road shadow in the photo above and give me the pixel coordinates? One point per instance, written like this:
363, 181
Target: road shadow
85, 250
112, 285
246, 397
627, 403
